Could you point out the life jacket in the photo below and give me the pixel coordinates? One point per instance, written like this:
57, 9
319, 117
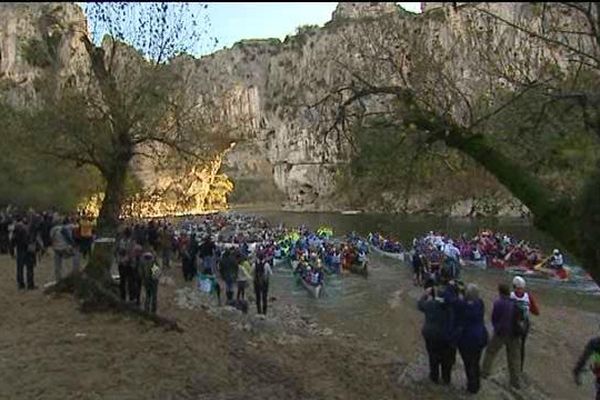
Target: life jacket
557, 261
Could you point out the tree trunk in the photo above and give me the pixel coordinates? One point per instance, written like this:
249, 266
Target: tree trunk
108, 221
588, 219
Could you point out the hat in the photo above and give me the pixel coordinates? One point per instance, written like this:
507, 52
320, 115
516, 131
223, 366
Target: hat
519, 282
556, 251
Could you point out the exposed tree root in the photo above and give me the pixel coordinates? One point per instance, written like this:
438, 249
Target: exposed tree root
95, 296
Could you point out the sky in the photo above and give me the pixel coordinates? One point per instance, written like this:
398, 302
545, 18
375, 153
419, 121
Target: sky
232, 22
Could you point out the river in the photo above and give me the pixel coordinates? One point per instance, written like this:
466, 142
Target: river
378, 308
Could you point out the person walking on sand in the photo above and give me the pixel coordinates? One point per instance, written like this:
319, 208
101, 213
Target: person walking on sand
123, 255
86, 230
24, 246
149, 275
229, 272
503, 317
440, 351
62, 245
527, 305
262, 271
243, 278
473, 334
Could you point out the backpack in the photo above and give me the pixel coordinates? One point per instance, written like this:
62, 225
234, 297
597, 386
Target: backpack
520, 320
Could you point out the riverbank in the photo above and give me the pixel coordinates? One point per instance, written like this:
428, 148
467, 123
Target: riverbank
50, 350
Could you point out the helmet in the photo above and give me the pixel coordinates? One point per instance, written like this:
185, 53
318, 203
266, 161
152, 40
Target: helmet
519, 282
556, 251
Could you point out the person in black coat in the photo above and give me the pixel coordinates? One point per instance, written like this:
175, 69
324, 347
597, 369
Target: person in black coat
188, 258
24, 247
437, 334
473, 335
5, 221
229, 271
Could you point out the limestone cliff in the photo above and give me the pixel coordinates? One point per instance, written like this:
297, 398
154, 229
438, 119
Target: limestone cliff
260, 89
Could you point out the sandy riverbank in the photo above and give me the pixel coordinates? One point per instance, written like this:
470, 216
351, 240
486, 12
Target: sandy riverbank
49, 350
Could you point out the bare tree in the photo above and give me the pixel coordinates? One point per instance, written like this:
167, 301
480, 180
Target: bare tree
130, 102
125, 99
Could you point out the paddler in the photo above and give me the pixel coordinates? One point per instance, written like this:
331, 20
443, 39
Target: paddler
556, 261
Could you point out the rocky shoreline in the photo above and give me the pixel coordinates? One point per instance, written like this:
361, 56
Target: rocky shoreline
284, 320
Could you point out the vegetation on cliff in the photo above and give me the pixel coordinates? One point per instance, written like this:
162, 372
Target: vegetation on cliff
532, 109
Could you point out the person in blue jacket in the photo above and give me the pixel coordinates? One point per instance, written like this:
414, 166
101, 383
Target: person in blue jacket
473, 334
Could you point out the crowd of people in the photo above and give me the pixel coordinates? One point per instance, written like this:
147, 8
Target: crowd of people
454, 321
26, 236
227, 264
435, 251
491, 250
227, 252
315, 254
384, 244
434, 256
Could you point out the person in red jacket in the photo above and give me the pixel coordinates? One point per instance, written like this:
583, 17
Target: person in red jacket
527, 305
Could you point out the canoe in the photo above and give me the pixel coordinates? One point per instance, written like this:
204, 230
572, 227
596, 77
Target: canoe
315, 291
351, 212
397, 256
546, 277
480, 264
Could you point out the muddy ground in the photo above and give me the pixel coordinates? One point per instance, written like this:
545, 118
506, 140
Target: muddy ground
50, 350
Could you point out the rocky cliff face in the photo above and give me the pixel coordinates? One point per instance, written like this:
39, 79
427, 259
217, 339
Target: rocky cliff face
260, 89
262, 83
20, 22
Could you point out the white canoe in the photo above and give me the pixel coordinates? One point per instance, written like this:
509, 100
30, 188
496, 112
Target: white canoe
480, 264
397, 256
351, 212
315, 291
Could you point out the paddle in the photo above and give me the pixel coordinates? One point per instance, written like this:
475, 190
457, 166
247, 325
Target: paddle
538, 266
